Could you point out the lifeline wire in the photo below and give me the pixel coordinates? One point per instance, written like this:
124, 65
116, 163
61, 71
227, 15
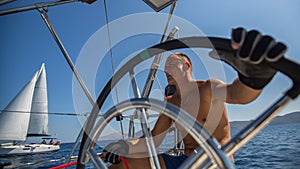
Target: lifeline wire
50, 113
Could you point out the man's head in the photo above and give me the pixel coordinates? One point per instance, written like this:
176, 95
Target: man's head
177, 66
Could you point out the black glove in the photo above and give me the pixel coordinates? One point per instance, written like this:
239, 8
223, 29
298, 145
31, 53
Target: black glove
252, 50
115, 150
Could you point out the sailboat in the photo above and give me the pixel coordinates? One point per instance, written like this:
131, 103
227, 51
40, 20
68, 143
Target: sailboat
26, 116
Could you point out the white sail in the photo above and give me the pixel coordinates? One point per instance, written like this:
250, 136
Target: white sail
14, 119
38, 124
27, 113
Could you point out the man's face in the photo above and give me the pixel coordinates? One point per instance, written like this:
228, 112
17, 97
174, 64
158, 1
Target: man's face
174, 68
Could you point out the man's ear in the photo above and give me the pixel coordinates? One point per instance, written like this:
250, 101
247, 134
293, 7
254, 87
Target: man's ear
187, 65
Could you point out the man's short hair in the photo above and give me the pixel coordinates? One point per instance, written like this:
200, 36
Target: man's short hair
184, 56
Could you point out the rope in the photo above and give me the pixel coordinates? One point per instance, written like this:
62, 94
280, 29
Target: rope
65, 165
124, 162
112, 61
75, 162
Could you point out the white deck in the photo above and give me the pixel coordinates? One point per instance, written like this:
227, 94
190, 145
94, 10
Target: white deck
27, 149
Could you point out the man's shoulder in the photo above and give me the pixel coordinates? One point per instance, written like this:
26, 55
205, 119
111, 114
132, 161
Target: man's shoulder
208, 84
209, 81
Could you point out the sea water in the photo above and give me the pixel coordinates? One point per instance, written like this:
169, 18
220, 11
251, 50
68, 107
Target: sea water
276, 147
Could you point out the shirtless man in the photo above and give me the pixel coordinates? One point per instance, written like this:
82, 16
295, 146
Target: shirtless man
205, 99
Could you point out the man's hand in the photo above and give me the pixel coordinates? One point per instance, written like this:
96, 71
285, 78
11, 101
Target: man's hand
252, 50
170, 90
113, 151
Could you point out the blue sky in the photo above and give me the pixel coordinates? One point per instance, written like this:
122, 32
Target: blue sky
26, 43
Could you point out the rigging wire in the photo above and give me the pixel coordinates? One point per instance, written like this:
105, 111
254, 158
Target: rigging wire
156, 77
65, 114
157, 59
159, 85
169, 20
112, 63
3, 2
51, 113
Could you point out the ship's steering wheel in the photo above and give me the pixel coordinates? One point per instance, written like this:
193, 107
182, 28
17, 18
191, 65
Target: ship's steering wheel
208, 144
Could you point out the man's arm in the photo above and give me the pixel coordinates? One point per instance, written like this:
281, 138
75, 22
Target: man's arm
113, 151
159, 132
234, 93
239, 93
252, 51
